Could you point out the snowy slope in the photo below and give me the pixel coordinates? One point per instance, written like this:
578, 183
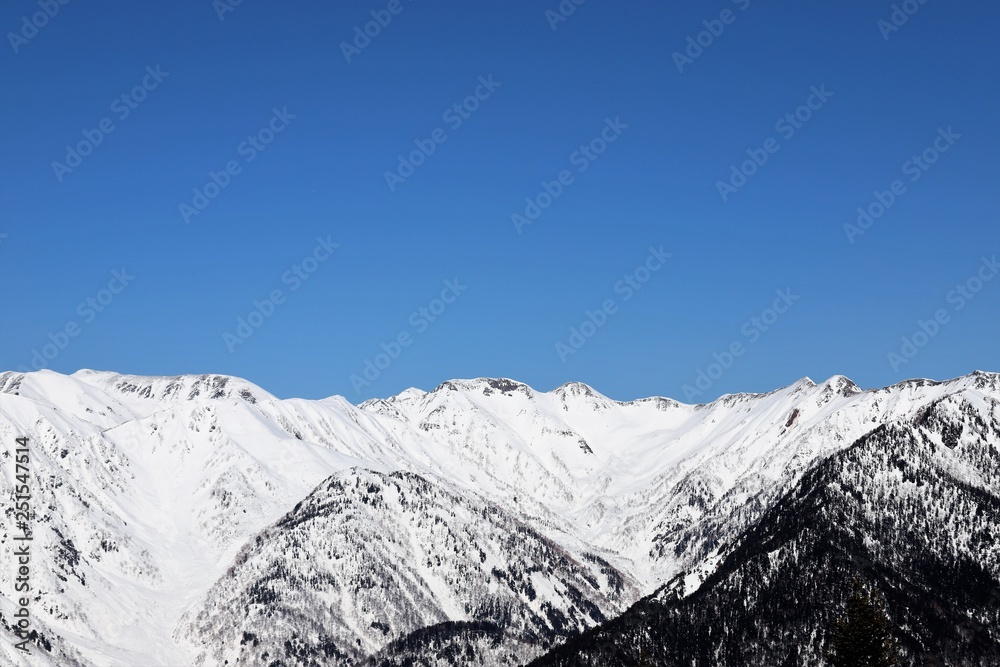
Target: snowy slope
148, 490
368, 557
912, 509
137, 518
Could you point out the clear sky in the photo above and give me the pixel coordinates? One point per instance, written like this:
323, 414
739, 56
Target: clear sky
674, 169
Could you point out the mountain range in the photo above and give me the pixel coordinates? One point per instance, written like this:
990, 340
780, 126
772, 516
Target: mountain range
199, 520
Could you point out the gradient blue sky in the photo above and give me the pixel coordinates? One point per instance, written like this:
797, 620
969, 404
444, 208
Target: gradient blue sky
656, 185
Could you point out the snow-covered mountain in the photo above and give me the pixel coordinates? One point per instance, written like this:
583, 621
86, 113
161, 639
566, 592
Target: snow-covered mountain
911, 509
197, 520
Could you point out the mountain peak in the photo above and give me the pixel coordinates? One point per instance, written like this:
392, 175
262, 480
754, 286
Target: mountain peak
576, 389
485, 386
804, 382
984, 379
410, 394
161, 388
842, 385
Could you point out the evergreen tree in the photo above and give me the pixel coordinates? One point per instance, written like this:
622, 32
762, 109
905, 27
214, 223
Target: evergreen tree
862, 637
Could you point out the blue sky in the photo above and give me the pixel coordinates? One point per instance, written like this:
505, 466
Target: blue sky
248, 159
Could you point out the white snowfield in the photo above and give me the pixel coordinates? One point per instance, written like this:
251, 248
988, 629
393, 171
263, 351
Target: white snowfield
145, 490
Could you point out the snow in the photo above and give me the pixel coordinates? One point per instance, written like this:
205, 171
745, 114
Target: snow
181, 472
